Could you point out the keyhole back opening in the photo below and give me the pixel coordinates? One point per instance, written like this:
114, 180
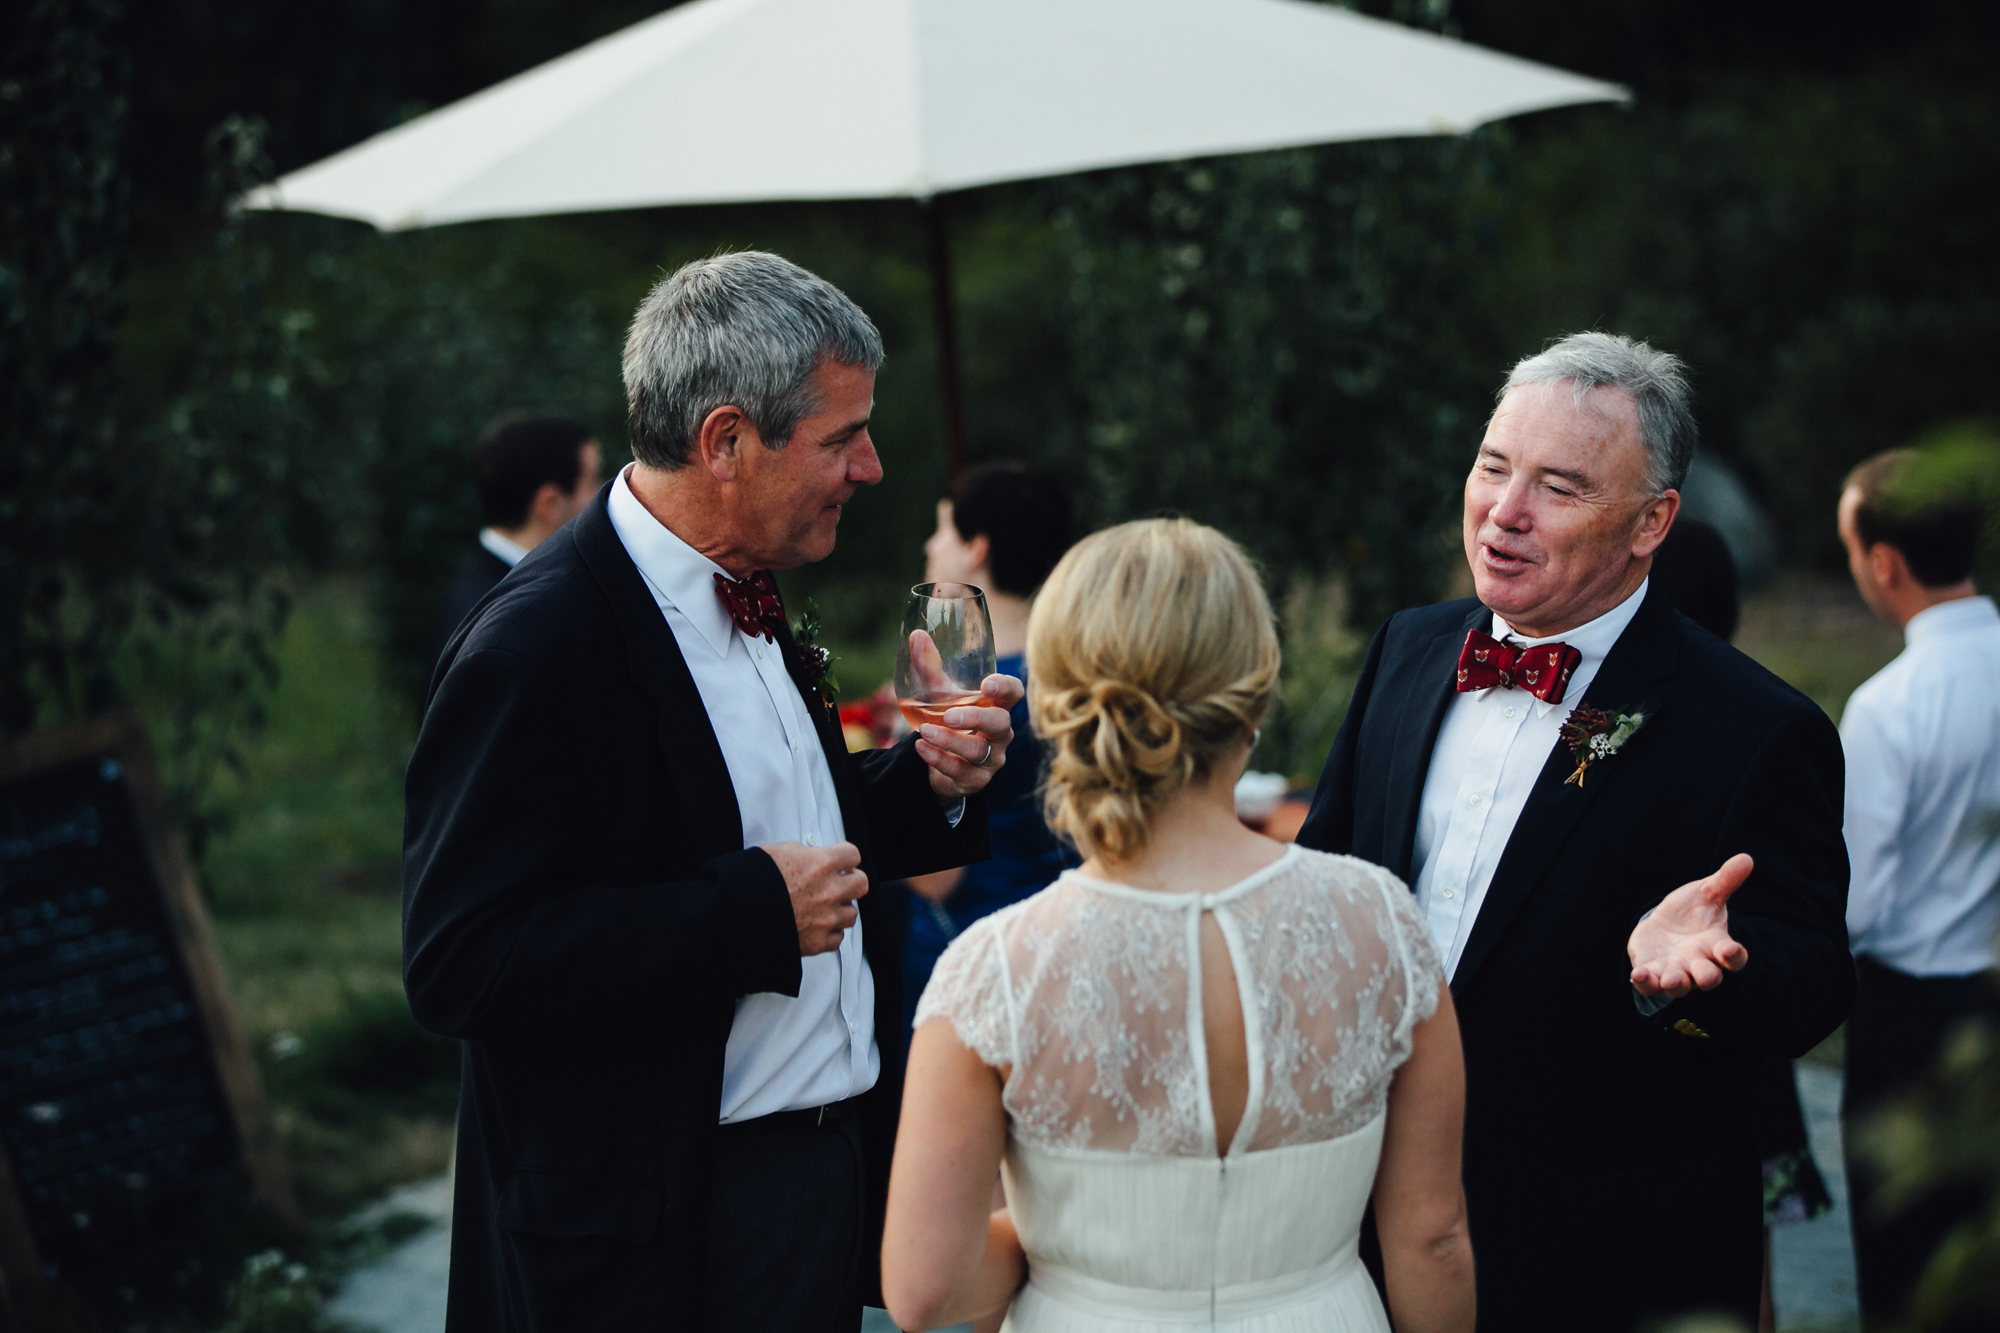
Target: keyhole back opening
1223, 1035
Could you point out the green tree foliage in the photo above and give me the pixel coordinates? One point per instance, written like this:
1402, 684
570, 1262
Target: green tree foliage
135, 556
1815, 247
410, 346
65, 203
1258, 348
1298, 346
402, 348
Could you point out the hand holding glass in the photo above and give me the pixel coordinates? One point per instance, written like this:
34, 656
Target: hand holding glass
945, 653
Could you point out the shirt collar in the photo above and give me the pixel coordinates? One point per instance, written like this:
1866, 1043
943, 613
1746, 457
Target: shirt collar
1593, 638
1953, 617
675, 571
506, 548
1593, 641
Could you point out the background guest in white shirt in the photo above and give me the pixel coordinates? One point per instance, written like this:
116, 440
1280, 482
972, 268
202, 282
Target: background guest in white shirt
1922, 739
533, 474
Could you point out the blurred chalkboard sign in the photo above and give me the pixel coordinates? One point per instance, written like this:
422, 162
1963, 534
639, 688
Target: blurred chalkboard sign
126, 1090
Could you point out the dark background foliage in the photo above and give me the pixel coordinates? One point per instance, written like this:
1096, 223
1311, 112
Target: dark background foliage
65, 201
1297, 345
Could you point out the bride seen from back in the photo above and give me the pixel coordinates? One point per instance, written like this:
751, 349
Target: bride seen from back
1195, 1060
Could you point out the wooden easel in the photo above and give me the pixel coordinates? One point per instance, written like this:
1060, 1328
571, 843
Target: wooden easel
43, 871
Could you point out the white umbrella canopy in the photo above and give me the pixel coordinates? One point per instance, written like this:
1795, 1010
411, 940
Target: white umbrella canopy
731, 101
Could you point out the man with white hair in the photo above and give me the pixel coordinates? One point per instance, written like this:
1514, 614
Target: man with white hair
1626, 838
637, 857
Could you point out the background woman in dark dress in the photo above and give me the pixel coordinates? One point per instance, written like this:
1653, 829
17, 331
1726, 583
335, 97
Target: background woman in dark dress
1694, 569
1003, 529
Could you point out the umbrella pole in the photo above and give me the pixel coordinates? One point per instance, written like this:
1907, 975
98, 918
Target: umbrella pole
944, 319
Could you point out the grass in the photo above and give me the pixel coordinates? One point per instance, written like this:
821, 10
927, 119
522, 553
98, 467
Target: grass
1814, 631
307, 911
301, 872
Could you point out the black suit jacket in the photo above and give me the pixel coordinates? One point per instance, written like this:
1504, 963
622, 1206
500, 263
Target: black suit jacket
468, 589
580, 909
1611, 1166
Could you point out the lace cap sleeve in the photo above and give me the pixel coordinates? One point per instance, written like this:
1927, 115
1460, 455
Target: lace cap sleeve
969, 987
1422, 968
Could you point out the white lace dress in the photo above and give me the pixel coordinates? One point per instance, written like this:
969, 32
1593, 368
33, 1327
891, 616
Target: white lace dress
1089, 995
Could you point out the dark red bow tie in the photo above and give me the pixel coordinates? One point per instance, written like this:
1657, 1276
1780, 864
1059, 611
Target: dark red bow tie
1543, 670
753, 603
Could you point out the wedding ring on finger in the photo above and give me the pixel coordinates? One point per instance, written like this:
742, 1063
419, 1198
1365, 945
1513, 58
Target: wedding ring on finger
981, 761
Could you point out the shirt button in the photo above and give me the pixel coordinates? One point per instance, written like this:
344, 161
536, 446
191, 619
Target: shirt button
1476, 800
1509, 712
795, 747
812, 840
1451, 893
850, 1029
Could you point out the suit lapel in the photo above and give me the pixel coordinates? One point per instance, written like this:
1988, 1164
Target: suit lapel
1422, 715
1645, 652
826, 722
701, 778
835, 743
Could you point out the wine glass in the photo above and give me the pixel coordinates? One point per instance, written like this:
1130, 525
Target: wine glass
945, 652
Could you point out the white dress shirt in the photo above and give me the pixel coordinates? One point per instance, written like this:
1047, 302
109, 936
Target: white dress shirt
1922, 738
504, 547
1491, 748
784, 1054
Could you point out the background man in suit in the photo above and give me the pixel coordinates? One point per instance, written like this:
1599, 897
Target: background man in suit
533, 474
1583, 899
1923, 827
635, 844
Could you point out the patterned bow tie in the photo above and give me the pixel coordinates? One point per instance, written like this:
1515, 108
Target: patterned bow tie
1542, 671
752, 602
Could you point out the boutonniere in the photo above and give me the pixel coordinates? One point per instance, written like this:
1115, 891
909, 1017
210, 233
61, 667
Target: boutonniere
1594, 734
813, 663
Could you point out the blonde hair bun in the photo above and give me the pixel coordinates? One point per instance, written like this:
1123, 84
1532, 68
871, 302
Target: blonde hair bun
1151, 652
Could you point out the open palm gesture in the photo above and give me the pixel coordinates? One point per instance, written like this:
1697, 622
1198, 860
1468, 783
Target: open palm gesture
1685, 941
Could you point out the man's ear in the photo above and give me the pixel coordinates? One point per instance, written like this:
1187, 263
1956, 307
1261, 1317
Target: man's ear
720, 444
1887, 566
980, 548
1655, 521
549, 506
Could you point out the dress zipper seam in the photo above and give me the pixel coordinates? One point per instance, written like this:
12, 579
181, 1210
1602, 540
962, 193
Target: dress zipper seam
1215, 1241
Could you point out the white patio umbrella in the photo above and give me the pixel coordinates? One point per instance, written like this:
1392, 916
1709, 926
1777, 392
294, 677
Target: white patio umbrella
733, 101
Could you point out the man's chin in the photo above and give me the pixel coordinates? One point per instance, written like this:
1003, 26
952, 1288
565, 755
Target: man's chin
814, 549
1506, 594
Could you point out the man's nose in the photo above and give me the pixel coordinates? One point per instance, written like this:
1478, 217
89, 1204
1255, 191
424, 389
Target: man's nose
1510, 509
864, 465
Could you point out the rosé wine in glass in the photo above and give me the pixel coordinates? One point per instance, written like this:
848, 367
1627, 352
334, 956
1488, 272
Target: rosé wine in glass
945, 652
932, 708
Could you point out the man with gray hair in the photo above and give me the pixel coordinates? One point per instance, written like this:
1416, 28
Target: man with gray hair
637, 857
1626, 839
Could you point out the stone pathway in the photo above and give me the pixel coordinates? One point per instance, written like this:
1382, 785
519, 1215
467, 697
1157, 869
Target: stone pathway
1812, 1262
403, 1291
